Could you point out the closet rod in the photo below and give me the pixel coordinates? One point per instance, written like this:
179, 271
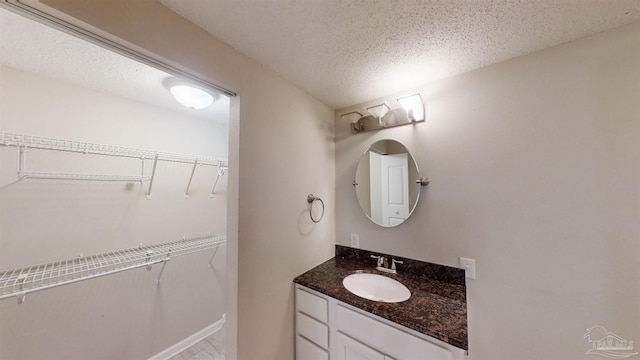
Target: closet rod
21, 281
85, 177
22, 294
44, 143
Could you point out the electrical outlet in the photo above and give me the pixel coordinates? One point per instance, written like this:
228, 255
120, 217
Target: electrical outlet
469, 266
355, 241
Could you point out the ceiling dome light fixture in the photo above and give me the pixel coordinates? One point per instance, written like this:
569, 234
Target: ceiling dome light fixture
189, 96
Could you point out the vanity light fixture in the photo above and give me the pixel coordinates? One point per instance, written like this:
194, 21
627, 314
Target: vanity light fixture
188, 95
378, 111
414, 106
411, 110
351, 117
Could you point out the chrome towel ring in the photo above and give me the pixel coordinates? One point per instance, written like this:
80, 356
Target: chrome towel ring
312, 199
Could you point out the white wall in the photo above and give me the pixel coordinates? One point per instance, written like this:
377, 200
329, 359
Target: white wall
123, 316
281, 148
535, 172
534, 169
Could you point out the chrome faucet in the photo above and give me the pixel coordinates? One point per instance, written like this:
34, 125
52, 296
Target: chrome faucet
381, 259
383, 264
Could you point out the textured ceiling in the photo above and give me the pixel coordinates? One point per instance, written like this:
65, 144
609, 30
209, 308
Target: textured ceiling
35, 48
344, 52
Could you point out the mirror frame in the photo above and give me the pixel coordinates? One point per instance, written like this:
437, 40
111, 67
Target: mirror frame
363, 170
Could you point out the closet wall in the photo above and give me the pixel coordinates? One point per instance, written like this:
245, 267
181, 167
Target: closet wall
125, 315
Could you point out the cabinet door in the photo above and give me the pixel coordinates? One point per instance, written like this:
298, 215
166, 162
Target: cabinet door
386, 339
349, 349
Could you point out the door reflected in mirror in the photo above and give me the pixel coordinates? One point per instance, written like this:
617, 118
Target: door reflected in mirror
385, 183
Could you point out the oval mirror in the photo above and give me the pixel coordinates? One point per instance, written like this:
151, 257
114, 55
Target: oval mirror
385, 183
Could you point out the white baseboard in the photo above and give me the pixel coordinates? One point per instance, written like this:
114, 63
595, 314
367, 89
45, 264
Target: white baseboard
179, 347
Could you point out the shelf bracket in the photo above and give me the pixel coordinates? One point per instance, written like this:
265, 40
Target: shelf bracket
153, 174
149, 253
221, 170
210, 264
22, 154
193, 171
164, 263
141, 171
22, 297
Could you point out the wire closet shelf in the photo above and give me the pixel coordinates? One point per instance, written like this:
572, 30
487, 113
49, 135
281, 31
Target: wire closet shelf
24, 142
11, 139
21, 281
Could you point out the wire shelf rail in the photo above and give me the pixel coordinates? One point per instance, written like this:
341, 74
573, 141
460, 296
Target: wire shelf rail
24, 142
37, 142
21, 281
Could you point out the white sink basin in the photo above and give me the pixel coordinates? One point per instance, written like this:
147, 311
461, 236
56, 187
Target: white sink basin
376, 288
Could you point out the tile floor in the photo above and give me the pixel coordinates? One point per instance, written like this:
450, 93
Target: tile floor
209, 348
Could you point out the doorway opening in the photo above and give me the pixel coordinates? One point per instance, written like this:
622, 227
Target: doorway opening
113, 206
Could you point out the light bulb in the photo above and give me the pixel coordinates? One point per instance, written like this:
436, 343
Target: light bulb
414, 106
191, 97
378, 111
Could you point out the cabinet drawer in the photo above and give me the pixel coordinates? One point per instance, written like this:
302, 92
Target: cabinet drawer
313, 330
386, 339
312, 305
306, 350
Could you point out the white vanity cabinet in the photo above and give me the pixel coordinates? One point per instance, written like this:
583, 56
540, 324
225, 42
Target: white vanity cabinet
330, 329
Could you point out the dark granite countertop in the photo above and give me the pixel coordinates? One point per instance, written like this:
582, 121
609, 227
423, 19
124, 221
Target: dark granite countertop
437, 306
